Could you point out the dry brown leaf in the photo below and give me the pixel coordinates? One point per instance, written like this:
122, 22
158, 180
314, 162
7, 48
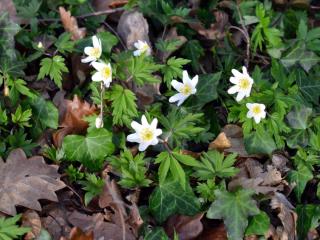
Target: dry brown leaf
72, 114
187, 227
287, 216
216, 30
70, 24
25, 181
254, 176
77, 234
100, 228
145, 94
220, 143
214, 233
124, 214
132, 27
31, 219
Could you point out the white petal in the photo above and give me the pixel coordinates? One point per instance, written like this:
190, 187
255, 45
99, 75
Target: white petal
185, 77
143, 146
136, 126
249, 105
176, 85
244, 70
154, 141
95, 42
137, 53
158, 132
195, 80
154, 123
233, 89
87, 50
257, 119
194, 90
107, 82
181, 101
97, 77
263, 114
136, 45
240, 96
263, 107
236, 73
234, 80
98, 65
249, 114
144, 121
88, 59
133, 138
176, 97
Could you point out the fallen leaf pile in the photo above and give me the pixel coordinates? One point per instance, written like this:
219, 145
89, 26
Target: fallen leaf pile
24, 181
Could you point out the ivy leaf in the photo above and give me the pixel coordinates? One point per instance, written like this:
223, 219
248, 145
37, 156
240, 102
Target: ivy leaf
173, 69
44, 114
157, 233
234, 208
193, 51
309, 86
300, 177
124, 107
53, 68
90, 150
259, 142
170, 198
258, 224
298, 118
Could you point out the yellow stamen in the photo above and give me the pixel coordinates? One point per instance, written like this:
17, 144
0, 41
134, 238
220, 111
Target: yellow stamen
186, 90
146, 135
144, 47
95, 52
256, 110
106, 72
244, 83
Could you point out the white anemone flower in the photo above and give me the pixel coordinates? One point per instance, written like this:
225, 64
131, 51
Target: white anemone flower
185, 89
94, 52
142, 48
146, 134
99, 122
243, 84
256, 111
104, 73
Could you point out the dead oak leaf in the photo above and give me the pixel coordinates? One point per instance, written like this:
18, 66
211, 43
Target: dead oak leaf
77, 234
187, 227
30, 218
70, 24
25, 181
72, 122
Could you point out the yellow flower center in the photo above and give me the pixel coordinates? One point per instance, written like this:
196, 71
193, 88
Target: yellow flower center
244, 83
144, 48
186, 90
146, 135
95, 52
256, 110
106, 72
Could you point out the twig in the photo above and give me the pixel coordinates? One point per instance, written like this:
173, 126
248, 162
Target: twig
246, 34
115, 33
108, 11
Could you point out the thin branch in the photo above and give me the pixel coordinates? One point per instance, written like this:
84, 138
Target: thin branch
92, 14
115, 33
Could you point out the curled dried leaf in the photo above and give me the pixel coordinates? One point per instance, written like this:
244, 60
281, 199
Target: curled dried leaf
70, 24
